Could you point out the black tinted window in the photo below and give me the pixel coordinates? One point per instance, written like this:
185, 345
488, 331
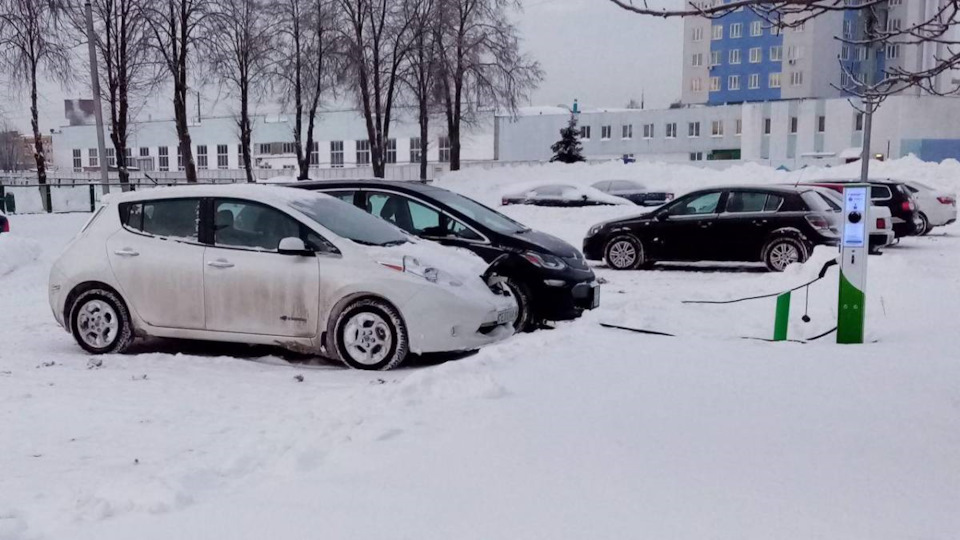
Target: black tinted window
700, 204
169, 218
880, 193
345, 196
774, 202
746, 201
249, 225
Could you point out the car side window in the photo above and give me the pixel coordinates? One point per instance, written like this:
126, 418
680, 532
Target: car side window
880, 193
168, 218
745, 201
344, 195
409, 215
774, 202
455, 228
699, 205
248, 225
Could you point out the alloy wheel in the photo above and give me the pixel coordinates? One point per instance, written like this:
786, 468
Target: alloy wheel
97, 324
622, 254
784, 254
367, 338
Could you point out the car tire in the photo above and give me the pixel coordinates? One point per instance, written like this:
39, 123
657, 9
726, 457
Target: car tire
782, 252
526, 319
369, 334
924, 228
624, 253
100, 322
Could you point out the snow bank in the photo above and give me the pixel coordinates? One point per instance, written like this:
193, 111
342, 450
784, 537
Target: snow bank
16, 252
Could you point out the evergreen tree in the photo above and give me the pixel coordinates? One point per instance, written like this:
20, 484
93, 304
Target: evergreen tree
568, 149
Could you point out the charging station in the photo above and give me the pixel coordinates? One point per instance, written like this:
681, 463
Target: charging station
854, 247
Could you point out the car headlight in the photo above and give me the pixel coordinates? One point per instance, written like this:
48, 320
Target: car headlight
594, 231
411, 265
543, 260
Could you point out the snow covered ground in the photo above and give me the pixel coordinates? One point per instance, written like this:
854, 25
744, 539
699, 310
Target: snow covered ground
578, 432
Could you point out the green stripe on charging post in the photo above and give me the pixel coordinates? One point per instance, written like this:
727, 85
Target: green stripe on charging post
782, 320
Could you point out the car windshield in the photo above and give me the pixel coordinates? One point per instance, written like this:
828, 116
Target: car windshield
350, 222
494, 221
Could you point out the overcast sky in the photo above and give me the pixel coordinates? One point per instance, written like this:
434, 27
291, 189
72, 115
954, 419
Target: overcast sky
589, 49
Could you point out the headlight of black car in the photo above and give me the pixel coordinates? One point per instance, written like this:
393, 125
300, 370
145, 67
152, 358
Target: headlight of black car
544, 260
595, 230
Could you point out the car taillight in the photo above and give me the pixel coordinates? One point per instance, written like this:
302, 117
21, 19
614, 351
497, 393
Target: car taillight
907, 206
947, 200
504, 202
818, 222
881, 223
5, 226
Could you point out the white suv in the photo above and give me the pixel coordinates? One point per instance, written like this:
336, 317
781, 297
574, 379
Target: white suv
270, 265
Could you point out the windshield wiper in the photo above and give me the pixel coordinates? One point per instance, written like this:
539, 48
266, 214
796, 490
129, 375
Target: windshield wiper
393, 243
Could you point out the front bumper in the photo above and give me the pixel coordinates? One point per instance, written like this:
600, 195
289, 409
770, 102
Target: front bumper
447, 322
564, 300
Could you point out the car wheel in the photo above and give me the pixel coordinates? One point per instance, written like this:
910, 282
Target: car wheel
525, 321
100, 322
924, 227
624, 253
780, 253
369, 334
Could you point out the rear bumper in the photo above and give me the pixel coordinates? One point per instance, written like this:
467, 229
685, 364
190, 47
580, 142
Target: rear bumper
882, 239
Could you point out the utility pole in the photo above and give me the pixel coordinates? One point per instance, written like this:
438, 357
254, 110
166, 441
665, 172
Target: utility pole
97, 109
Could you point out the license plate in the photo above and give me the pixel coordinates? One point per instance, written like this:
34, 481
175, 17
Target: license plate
596, 297
506, 316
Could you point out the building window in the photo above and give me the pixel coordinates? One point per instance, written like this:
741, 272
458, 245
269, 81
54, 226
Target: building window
733, 82
164, 158
794, 124
734, 56
202, 156
794, 52
336, 154
736, 30
94, 157
648, 131
180, 165
223, 157
585, 133
415, 149
696, 156
776, 53
128, 157
893, 25
756, 28
862, 53
444, 149
756, 54
605, 132
716, 128
775, 30
363, 152
858, 122
844, 80
314, 153
738, 127
714, 84
111, 157
264, 149
672, 130
696, 60
693, 129
391, 151
288, 148
767, 126
847, 29
796, 78
893, 51
77, 160
627, 130
773, 81
697, 34
754, 81
845, 52
695, 86
821, 124
717, 32
799, 27
715, 58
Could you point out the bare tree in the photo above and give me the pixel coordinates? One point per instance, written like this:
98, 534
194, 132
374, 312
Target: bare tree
175, 25
377, 39
31, 46
420, 73
308, 52
125, 61
11, 148
242, 38
481, 64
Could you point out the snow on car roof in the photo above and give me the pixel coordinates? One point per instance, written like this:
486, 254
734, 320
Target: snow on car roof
266, 193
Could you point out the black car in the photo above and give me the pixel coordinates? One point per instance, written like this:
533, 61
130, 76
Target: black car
549, 277
774, 225
634, 192
4, 223
893, 195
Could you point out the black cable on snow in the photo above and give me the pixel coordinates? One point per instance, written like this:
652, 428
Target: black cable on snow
823, 273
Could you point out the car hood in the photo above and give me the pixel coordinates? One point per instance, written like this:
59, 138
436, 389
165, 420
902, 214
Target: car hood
544, 243
629, 219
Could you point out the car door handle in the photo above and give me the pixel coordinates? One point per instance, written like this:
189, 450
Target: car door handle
759, 222
706, 225
126, 252
220, 263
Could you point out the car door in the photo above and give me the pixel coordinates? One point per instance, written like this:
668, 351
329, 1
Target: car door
157, 259
685, 230
742, 227
249, 287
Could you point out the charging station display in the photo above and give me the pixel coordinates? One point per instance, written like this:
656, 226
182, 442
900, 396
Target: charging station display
851, 312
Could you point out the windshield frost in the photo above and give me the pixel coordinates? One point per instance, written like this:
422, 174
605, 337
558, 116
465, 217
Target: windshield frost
350, 222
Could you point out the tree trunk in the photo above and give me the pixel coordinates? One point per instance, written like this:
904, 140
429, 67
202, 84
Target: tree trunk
183, 132
245, 134
455, 148
424, 134
38, 142
119, 148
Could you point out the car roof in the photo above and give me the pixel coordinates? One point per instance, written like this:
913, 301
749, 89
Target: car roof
779, 188
261, 192
886, 181
410, 185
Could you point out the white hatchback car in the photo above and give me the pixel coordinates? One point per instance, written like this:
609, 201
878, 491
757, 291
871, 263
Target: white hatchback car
937, 208
270, 265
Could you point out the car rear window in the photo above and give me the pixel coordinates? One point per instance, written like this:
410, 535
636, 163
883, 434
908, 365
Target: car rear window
880, 193
167, 218
816, 202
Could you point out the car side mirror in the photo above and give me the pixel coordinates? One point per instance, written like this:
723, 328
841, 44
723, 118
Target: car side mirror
584, 197
294, 246
662, 216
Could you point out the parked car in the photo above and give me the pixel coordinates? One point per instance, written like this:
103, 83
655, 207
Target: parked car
269, 265
560, 195
776, 225
634, 192
549, 278
936, 208
4, 224
891, 194
879, 224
